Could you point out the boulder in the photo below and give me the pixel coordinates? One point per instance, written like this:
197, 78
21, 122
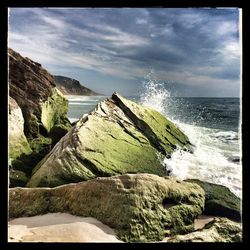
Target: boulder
18, 143
220, 201
17, 178
218, 230
42, 106
140, 207
117, 137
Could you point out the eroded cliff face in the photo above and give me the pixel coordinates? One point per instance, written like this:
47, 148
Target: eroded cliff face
42, 106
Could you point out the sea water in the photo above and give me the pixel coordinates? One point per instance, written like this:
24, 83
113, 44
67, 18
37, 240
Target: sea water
212, 125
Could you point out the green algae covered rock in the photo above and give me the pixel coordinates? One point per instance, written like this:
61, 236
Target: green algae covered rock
162, 133
108, 141
17, 178
18, 143
54, 110
218, 230
140, 207
220, 201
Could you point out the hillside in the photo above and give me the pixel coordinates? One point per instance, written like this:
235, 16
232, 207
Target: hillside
69, 86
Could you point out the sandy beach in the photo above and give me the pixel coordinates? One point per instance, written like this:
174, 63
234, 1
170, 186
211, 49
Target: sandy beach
59, 227
63, 227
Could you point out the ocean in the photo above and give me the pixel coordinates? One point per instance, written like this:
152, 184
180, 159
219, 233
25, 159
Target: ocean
212, 125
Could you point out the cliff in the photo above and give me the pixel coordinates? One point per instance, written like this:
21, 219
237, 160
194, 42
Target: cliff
69, 86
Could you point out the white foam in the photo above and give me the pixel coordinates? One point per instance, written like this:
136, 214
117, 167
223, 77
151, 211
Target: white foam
155, 94
213, 147
208, 161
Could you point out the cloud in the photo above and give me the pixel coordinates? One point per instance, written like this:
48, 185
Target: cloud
192, 47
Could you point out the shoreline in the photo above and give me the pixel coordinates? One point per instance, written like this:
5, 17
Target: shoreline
63, 227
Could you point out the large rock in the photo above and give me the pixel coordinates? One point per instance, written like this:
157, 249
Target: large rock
69, 86
218, 230
140, 207
18, 143
43, 107
220, 201
117, 137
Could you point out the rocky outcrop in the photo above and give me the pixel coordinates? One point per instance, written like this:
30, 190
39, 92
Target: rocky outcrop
140, 207
220, 201
18, 143
34, 89
117, 137
218, 230
69, 86
42, 106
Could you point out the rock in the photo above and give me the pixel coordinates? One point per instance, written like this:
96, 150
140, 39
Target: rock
117, 137
218, 230
69, 86
17, 178
18, 143
43, 107
140, 207
220, 201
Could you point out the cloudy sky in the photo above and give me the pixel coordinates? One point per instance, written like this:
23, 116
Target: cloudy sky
196, 52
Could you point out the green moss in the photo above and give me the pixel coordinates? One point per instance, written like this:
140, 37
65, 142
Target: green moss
159, 130
40, 147
57, 132
220, 200
17, 178
17, 147
54, 110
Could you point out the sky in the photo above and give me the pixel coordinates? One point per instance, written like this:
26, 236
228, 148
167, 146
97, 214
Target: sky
194, 51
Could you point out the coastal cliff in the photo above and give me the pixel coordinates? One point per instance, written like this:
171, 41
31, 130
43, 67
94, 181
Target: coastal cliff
69, 86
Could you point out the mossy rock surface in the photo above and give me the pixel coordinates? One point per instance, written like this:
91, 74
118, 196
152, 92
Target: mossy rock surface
218, 230
18, 143
220, 201
54, 110
140, 207
111, 141
161, 132
17, 178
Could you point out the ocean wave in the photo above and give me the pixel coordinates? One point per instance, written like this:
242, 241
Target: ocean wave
208, 162
216, 154
226, 135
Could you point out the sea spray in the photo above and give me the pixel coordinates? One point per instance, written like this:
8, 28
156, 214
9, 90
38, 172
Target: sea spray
216, 157
154, 94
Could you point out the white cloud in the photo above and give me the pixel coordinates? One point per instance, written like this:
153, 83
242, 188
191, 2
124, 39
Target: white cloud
57, 23
141, 21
